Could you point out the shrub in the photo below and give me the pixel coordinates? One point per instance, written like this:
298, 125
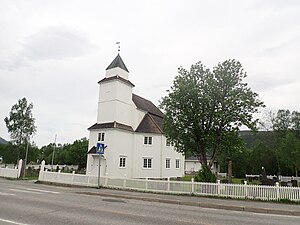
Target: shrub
205, 175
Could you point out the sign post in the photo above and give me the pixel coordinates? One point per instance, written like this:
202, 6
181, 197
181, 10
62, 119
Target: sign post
100, 151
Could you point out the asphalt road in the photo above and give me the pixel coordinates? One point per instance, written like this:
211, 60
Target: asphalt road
23, 202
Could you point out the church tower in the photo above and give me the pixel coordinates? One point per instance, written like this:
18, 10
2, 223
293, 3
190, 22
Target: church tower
115, 95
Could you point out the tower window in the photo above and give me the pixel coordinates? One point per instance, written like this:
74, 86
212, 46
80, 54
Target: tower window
101, 136
122, 163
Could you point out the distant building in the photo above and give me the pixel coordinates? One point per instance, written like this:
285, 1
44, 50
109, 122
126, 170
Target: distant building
132, 129
192, 165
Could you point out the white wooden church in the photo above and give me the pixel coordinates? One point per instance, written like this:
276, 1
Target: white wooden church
132, 129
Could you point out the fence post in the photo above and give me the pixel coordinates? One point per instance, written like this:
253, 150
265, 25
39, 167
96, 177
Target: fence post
42, 170
277, 191
246, 189
219, 187
124, 181
193, 186
88, 181
106, 179
168, 189
20, 168
146, 184
58, 176
73, 176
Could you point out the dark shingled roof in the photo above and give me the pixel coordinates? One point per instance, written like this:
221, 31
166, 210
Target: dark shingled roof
153, 120
148, 125
146, 105
116, 78
92, 150
110, 125
158, 120
117, 62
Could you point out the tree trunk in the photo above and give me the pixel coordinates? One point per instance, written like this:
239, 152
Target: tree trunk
201, 155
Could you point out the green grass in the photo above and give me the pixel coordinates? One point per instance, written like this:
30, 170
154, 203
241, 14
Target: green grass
188, 177
237, 180
241, 181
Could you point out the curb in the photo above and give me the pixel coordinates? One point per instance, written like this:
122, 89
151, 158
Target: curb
200, 204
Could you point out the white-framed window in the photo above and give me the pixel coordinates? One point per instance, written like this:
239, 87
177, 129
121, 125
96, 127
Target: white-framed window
101, 136
177, 163
147, 140
147, 163
168, 163
122, 162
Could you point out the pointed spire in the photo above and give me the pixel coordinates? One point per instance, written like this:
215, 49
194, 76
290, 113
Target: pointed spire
117, 62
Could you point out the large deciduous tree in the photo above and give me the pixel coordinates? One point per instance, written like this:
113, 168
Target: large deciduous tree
205, 109
20, 123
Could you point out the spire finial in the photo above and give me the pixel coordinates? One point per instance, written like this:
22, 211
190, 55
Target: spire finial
119, 46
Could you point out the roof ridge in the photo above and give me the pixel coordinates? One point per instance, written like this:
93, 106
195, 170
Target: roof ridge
154, 122
116, 77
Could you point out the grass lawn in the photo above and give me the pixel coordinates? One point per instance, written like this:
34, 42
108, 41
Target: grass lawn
241, 181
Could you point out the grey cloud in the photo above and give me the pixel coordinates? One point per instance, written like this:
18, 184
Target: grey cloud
56, 42
287, 45
49, 43
265, 83
14, 62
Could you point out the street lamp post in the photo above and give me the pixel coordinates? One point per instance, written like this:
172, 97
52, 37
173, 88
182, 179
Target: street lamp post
53, 152
26, 155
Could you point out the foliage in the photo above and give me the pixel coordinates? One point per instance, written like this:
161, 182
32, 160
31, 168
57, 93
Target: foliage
287, 129
205, 109
20, 123
75, 153
205, 175
10, 153
277, 151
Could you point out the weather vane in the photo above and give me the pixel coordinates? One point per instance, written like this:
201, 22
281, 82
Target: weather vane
119, 46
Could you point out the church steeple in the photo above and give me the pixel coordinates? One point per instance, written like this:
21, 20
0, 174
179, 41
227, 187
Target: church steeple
117, 68
118, 62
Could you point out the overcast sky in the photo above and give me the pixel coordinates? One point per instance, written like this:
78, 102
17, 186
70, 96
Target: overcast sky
54, 52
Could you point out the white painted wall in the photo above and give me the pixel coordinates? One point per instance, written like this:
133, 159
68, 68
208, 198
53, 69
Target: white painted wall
170, 153
117, 71
115, 103
131, 145
192, 166
159, 153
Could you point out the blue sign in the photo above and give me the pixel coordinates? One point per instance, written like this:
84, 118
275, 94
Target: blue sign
100, 148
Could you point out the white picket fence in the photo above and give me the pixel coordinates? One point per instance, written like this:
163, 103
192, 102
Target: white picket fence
242, 191
281, 178
9, 173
